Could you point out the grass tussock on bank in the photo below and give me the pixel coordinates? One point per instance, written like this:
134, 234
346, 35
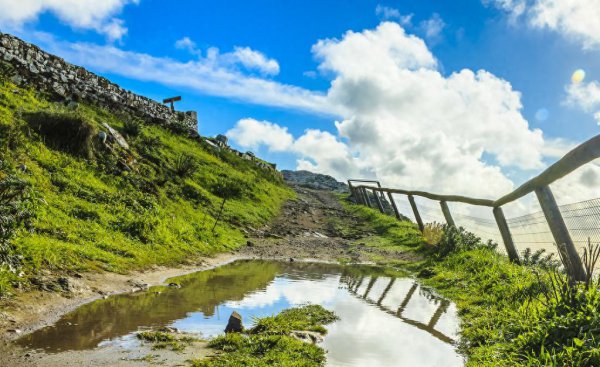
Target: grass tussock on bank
269, 342
99, 207
512, 315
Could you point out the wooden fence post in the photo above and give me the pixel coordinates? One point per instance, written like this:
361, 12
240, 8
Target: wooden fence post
394, 207
352, 193
415, 210
560, 233
367, 198
509, 244
378, 201
447, 214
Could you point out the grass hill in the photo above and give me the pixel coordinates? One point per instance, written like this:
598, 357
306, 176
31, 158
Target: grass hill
72, 201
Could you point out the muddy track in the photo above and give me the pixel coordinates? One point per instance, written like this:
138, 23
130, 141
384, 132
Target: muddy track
312, 227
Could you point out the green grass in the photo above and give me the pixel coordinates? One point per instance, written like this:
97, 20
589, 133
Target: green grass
511, 315
268, 342
162, 340
94, 215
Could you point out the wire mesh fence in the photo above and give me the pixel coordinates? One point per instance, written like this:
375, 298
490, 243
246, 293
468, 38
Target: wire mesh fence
528, 231
583, 221
531, 231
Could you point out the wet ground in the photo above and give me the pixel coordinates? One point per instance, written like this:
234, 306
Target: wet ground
101, 333
384, 320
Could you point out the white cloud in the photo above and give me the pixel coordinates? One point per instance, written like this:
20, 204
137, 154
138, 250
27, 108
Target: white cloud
255, 60
433, 27
187, 44
79, 14
246, 57
586, 96
409, 125
250, 133
577, 19
388, 13
216, 74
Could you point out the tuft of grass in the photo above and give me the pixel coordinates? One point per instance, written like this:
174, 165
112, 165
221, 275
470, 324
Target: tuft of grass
268, 344
132, 127
307, 318
433, 232
185, 165
67, 131
163, 340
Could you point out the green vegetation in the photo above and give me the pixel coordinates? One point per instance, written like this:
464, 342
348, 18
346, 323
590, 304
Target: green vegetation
268, 343
512, 315
164, 340
386, 233
100, 206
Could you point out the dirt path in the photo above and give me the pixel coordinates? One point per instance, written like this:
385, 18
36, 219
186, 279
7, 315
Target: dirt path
311, 227
315, 226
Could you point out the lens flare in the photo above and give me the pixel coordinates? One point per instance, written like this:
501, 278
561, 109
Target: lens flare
578, 76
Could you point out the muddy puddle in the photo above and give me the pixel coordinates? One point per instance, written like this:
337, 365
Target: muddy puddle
384, 320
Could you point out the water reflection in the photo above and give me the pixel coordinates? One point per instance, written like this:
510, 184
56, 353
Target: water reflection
385, 321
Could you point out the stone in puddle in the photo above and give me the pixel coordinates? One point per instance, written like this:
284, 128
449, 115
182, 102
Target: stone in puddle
235, 323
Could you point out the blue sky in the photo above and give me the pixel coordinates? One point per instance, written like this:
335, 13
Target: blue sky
533, 46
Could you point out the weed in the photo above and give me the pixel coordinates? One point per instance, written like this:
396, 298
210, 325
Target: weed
132, 127
433, 232
185, 165
537, 258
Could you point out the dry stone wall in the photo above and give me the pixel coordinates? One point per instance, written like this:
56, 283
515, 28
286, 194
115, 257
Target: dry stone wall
28, 65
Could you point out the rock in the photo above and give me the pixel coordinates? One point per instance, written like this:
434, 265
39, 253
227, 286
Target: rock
250, 244
118, 137
235, 323
174, 285
314, 181
291, 259
307, 336
15, 331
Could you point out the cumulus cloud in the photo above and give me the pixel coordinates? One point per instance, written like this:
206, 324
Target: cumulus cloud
251, 133
80, 14
577, 19
410, 126
585, 96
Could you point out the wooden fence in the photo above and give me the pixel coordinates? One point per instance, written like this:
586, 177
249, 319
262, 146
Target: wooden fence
579, 156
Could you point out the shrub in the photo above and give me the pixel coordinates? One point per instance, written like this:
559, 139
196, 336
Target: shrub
538, 258
433, 232
457, 239
185, 165
132, 127
69, 132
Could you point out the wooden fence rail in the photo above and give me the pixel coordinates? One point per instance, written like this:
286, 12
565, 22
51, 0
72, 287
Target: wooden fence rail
579, 156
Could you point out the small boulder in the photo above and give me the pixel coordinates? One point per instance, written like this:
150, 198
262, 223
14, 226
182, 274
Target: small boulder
235, 323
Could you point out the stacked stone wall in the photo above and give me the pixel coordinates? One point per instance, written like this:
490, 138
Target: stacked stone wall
29, 66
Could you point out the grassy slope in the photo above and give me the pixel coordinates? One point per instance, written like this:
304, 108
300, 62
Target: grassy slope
511, 315
93, 218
